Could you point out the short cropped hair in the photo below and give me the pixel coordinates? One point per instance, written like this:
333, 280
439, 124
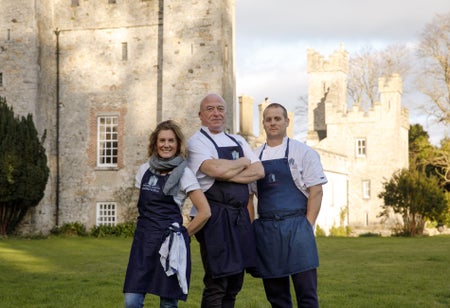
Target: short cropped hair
276, 105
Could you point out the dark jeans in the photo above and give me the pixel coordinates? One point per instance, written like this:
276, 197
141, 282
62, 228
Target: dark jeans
278, 291
221, 292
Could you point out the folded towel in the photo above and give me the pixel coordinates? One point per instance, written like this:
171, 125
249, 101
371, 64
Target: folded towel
174, 256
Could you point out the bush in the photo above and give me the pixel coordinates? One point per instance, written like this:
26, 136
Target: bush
320, 231
23, 167
70, 229
340, 231
370, 234
120, 230
78, 229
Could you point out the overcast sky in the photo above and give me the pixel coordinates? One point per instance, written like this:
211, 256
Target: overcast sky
272, 38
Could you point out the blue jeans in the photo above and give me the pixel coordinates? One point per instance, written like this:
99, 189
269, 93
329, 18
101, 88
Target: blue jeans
136, 300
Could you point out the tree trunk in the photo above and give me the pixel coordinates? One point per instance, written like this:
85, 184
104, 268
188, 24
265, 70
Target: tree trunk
10, 216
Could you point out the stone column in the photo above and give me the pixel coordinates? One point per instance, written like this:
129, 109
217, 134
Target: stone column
246, 115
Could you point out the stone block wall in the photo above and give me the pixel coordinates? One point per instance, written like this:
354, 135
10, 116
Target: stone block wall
142, 61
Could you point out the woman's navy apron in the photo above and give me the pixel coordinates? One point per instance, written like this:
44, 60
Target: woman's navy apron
227, 240
284, 238
157, 212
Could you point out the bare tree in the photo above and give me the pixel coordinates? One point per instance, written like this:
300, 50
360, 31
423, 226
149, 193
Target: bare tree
301, 117
363, 76
434, 77
367, 65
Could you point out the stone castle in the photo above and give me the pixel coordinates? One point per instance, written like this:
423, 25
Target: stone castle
360, 149
98, 76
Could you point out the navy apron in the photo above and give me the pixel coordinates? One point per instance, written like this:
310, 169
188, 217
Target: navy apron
227, 239
285, 239
157, 212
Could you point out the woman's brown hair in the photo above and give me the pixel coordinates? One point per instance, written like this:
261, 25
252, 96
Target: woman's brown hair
168, 125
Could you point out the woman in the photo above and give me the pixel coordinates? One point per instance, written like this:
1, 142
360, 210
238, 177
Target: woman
160, 261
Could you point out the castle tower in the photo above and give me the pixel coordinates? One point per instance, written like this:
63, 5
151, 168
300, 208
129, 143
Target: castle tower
327, 83
19, 69
108, 72
246, 116
372, 144
395, 119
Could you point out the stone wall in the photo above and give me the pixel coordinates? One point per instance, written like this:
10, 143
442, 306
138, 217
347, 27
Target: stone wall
142, 61
384, 127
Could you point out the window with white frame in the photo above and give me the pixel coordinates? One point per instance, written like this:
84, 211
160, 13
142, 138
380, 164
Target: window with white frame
366, 189
361, 147
106, 213
107, 141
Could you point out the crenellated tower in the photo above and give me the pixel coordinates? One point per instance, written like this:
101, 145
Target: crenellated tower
327, 84
373, 142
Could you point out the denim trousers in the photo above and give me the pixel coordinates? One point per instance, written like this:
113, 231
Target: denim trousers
136, 300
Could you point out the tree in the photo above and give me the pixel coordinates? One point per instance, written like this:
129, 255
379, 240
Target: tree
23, 167
420, 147
427, 158
440, 161
416, 197
434, 77
301, 118
368, 65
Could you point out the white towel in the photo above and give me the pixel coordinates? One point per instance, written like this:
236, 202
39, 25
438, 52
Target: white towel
177, 256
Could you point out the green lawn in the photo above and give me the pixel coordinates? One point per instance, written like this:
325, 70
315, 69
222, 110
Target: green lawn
354, 272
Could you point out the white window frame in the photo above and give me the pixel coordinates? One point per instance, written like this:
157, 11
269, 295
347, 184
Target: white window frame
106, 214
361, 147
107, 140
365, 189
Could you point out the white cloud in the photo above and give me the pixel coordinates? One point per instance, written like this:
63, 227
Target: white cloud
272, 38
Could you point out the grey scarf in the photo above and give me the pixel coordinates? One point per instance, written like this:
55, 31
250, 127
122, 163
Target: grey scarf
176, 165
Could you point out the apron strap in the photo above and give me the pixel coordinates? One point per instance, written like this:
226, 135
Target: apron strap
286, 152
212, 140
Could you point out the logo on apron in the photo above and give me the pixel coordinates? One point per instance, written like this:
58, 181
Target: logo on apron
153, 180
235, 155
152, 184
271, 178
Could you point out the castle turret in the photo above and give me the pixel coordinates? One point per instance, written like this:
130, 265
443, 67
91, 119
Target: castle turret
372, 143
390, 90
246, 115
327, 83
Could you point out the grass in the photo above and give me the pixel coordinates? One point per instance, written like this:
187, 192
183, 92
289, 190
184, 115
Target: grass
354, 272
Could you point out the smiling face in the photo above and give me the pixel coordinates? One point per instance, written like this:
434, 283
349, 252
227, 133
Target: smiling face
166, 144
212, 113
275, 124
